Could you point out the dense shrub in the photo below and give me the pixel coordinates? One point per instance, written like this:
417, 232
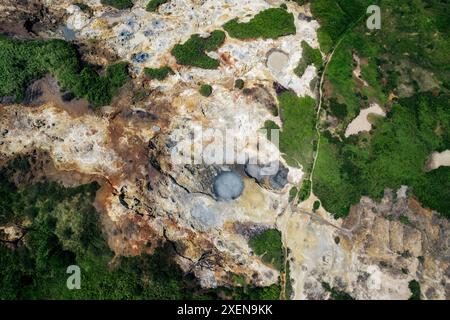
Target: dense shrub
192, 52
118, 4
153, 5
21, 62
205, 90
268, 244
239, 84
271, 23
158, 73
309, 56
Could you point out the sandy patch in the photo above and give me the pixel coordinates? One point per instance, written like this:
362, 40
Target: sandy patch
277, 61
438, 159
361, 122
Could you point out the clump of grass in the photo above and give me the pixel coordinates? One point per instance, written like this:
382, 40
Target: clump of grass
206, 90
292, 193
153, 5
118, 4
268, 24
239, 84
298, 134
192, 52
316, 205
158, 73
305, 190
309, 56
268, 245
414, 287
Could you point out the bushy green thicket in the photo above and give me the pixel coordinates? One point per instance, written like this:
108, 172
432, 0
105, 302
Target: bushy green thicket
414, 287
118, 4
305, 190
206, 90
309, 56
271, 23
24, 61
153, 5
268, 244
158, 73
239, 84
192, 52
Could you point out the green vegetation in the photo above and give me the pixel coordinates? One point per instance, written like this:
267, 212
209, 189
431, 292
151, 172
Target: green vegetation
336, 294
293, 193
316, 205
414, 287
84, 7
298, 133
61, 228
270, 125
206, 90
413, 36
192, 52
269, 246
239, 84
404, 219
158, 73
153, 5
21, 62
271, 23
309, 56
305, 190
118, 4
395, 155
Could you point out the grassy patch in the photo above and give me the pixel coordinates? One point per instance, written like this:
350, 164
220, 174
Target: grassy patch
268, 245
192, 52
414, 287
21, 62
305, 190
158, 73
239, 84
206, 90
153, 5
118, 4
298, 132
271, 23
309, 56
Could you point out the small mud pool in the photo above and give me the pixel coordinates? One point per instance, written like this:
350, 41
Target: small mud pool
228, 186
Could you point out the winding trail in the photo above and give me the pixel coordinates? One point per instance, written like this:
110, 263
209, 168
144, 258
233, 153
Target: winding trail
293, 205
326, 62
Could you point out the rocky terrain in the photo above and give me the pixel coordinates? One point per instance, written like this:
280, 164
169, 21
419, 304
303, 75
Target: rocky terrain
147, 200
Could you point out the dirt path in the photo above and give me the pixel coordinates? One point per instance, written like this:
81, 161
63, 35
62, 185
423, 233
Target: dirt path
326, 62
293, 208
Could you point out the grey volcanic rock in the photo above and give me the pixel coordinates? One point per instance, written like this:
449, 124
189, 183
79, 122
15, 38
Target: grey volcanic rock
262, 174
228, 186
205, 218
